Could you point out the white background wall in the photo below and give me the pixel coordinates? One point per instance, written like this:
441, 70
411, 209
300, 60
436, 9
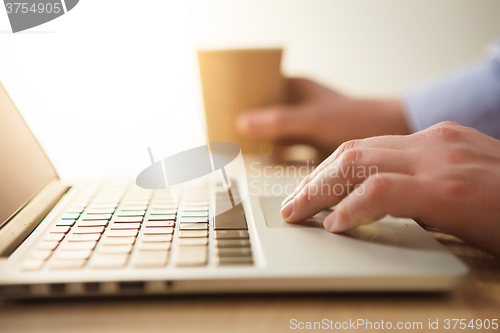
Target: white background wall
109, 78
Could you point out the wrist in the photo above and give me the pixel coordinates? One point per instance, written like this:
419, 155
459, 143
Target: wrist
395, 116
379, 117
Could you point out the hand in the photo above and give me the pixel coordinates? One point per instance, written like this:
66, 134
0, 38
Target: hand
321, 117
447, 176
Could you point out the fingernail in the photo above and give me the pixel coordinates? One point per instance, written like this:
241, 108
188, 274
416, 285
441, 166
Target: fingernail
287, 210
288, 198
328, 222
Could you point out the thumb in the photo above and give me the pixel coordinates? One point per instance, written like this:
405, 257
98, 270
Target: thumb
272, 123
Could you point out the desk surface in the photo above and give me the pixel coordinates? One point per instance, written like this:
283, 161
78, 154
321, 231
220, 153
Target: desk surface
480, 298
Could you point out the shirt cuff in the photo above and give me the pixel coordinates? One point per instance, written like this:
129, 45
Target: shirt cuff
469, 96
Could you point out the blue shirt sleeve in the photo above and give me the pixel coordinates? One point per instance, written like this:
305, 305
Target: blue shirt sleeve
469, 96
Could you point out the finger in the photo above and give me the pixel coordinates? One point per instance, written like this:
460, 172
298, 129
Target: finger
337, 180
273, 123
396, 142
300, 89
399, 195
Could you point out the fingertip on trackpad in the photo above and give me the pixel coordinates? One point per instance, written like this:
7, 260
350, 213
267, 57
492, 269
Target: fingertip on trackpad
271, 207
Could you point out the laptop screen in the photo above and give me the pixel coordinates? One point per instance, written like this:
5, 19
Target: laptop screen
24, 167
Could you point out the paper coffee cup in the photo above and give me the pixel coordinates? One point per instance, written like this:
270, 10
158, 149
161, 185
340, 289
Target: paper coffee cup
236, 80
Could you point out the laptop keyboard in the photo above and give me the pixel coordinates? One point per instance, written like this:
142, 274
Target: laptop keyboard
114, 226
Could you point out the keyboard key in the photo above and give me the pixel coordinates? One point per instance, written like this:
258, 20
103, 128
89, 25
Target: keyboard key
133, 207
234, 218
120, 226
81, 254
159, 207
158, 246
196, 204
68, 223
90, 217
164, 201
231, 234
115, 249
160, 197
60, 230
233, 243
118, 240
88, 230
100, 211
194, 226
156, 238
195, 214
164, 212
131, 213
104, 261
193, 233
196, 209
123, 233
103, 205
151, 258
135, 202
40, 255
70, 216
32, 265
76, 246
193, 241
192, 256
54, 237
161, 217
194, 219
47, 245
63, 264
160, 224
234, 252
235, 260
158, 231
83, 237
93, 223
130, 219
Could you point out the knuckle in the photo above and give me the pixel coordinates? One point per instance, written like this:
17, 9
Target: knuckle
448, 123
341, 148
351, 144
344, 147
446, 131
376, 186
350, 157
307, 181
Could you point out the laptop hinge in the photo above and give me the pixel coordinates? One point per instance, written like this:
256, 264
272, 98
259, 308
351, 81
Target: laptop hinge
25, 221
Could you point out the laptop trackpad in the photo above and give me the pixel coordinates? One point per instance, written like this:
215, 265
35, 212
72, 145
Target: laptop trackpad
271, 207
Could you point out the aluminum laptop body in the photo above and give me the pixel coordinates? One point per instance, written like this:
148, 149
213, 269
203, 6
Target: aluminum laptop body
108, 238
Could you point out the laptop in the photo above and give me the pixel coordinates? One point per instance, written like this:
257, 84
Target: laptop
111, 237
